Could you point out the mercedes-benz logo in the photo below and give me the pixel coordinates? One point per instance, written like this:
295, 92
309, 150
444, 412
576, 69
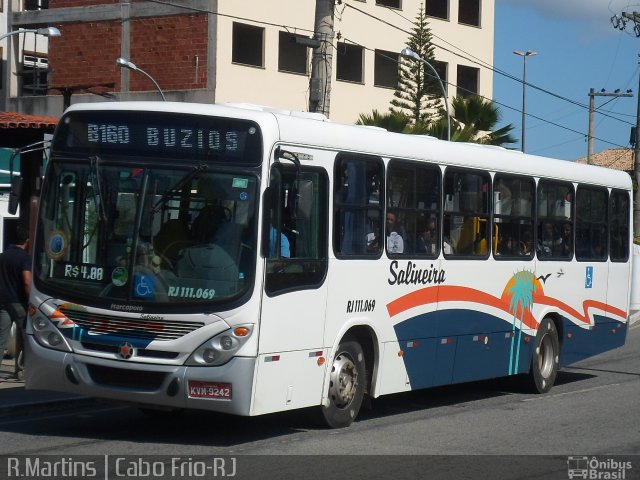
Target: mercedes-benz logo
125, 350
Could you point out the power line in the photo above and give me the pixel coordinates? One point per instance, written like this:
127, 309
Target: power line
546, 121
469, 58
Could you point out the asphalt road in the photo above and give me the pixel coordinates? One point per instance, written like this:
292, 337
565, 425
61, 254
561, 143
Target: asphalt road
593, 410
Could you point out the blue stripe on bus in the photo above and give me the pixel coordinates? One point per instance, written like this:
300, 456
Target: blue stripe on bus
478, 345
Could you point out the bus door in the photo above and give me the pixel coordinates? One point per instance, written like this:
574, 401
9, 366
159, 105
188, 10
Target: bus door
294, 239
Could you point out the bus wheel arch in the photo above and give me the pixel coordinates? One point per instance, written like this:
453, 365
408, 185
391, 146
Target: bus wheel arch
350, 377
545, 359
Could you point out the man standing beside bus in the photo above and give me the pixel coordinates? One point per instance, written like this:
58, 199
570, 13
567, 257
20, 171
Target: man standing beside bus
15, 282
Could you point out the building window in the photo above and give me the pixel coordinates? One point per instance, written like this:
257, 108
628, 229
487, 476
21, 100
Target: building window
469, 12
467, 81
350, 63
390, 3
248, 45
292, 56
437, 8
441, 68
35, 67
385, 69
35, 5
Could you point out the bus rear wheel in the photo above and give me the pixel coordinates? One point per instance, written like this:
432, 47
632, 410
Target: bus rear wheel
346, 385
546, 356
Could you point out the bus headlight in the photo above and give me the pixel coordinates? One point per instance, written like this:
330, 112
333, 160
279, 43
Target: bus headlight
48, 335
221, 348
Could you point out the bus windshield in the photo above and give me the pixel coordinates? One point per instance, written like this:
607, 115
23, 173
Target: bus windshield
116, 233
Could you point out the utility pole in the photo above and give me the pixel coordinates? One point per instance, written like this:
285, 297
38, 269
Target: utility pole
321, 62
621, 23
592, 111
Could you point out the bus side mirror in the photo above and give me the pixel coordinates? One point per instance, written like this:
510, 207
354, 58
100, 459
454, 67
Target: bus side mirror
14, 194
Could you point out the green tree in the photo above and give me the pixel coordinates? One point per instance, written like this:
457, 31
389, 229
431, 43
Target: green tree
418, 92
392, 121
473, 119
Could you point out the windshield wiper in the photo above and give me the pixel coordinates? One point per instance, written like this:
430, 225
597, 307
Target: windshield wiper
178, 185
95, 175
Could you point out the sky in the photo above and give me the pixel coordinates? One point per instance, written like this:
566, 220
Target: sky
577, 48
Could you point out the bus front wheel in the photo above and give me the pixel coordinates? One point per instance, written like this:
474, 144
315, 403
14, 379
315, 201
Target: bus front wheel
546, 355
346, 385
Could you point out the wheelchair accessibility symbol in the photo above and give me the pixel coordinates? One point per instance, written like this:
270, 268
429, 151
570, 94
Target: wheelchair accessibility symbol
588, 281
144, 286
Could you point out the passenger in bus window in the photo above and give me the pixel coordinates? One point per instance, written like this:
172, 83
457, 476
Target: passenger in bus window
525, 243
395, 242
566, 240
505, 245
548, 240
427, 236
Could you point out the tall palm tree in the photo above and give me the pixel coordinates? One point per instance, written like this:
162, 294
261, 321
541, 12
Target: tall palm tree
473, 119
392, 120
521, 290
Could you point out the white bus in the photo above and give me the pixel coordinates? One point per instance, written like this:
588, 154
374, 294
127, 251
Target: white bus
248, 261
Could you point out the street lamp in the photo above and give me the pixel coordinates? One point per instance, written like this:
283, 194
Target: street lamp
408, 53
524, 55
45, 31
124, 63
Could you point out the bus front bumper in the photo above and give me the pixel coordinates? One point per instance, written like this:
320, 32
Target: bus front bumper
225, 389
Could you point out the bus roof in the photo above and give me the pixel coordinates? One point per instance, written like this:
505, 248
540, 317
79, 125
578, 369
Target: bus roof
314, 130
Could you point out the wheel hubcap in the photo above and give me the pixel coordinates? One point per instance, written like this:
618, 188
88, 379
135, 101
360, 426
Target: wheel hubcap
344, 380
545, 357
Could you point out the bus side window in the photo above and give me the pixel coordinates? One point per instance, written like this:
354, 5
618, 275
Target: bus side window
296, 229
466, 214
358, 206
413, 209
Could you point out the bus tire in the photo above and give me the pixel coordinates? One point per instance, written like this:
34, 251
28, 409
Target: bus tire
346, 385
545, 359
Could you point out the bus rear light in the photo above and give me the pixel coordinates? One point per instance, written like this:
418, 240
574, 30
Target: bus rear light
31, 310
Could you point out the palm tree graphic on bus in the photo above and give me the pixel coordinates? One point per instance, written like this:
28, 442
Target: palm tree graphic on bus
521, 288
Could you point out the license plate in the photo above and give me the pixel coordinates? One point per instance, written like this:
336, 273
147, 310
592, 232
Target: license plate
209, 390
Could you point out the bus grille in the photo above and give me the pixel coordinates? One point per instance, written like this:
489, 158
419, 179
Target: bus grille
117, 377
130, 327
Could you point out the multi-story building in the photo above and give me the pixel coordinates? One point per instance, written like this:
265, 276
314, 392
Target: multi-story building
250, 51
24, 55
